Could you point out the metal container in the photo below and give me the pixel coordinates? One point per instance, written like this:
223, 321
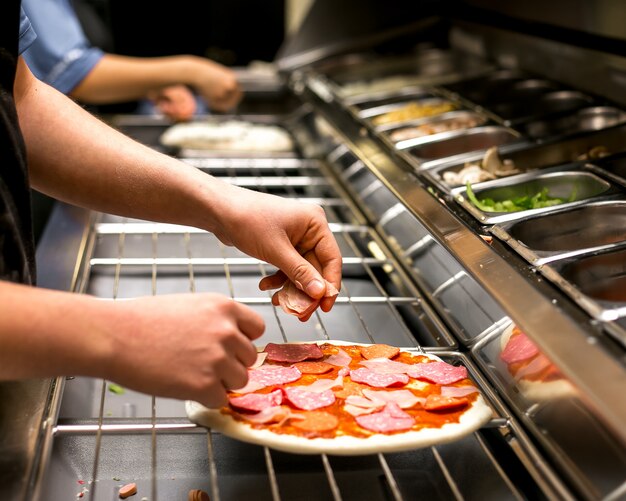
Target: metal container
587, 119
447, 146
377, 111
566, 232
483, 88
556, 152
573, 186
517, 112
523, 90
450, 119
613, 167
597, 283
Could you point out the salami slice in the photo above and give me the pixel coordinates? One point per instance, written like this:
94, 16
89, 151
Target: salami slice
256, 402
340, 359
379, 351
438, 372
439, 403
268, 375
313, 367
292, 353
377, 380
316, 421
301, 398
391, 418
518, 349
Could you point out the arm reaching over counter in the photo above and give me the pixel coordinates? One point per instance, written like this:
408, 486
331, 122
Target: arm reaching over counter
190, 346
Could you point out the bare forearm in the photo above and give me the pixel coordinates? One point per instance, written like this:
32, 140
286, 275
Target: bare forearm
122, 78
46, 333
76, 158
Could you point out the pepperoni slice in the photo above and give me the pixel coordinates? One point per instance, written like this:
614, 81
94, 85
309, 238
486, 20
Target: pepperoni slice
268, 375
377, 380
256, 402
349, 388
292, 353
301, 398
379, 351
313, 367
391, 418
317, 421
440, 403
437, 372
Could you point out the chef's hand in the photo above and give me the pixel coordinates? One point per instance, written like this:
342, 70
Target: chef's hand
176, 102
185, 346
293, 236
217, 84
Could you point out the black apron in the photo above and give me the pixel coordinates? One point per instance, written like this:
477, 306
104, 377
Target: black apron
17, 256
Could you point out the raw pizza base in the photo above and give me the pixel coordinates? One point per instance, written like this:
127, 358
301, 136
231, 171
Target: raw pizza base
472, 419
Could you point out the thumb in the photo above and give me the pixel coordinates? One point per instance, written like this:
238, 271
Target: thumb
302, 273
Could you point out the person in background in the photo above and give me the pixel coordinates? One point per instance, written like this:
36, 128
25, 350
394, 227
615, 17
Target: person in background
186, 346
63, 57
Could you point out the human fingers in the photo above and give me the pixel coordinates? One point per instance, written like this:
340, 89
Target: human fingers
249, 322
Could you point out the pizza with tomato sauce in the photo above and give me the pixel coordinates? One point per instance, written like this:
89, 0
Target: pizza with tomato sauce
537, 378
348, 399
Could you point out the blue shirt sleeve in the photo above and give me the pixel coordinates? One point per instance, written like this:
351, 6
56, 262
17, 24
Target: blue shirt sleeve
27, 33
61, 55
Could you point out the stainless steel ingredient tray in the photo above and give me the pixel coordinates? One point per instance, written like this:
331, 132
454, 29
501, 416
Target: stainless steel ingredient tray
587, 119
578, 185
483, 88
566, 232
424, 100
428, 151
613, 167
556, 152
597, 283
438, 120
516, 112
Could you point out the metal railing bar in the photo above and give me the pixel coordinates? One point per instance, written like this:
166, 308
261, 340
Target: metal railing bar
215, 491
334, 488
96, 460
120, 429
617, 494
275, 182
209, 261
256, 163
149, 227
446, 473
393, 485
271, 473
498, 467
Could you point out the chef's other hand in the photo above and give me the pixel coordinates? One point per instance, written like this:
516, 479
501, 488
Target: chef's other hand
292, 235
176, 102
217, 84
185, 346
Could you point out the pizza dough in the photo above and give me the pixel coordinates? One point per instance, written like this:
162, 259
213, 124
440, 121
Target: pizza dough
232, 135
474, 416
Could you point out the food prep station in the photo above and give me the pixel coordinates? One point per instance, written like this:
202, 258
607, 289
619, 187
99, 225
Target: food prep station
374, 134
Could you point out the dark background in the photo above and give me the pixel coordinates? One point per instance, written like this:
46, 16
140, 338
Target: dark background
232, 32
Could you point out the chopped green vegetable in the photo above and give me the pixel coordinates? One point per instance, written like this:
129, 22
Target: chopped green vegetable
117, 389
537, 201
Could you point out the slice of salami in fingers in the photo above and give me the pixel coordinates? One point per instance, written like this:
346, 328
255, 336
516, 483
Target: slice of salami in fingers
316, 421
379, 351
